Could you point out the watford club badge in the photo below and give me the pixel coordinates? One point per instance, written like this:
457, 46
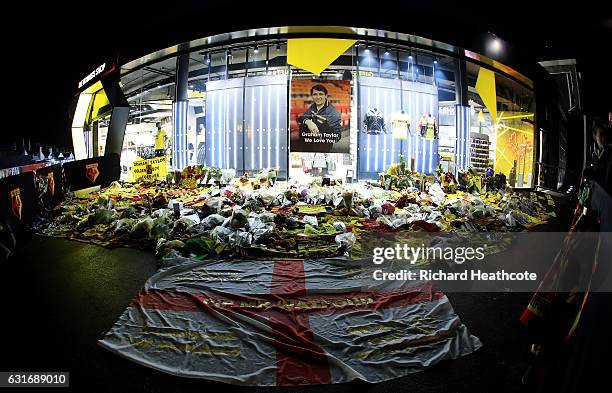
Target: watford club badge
92, 172
16, 202
51, 183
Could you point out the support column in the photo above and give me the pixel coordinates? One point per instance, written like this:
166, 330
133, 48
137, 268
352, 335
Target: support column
119, 117
462, 144
94, 138
461, 87
179, 113
462, 117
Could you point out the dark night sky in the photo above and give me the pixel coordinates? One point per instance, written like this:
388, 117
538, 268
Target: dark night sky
52, 46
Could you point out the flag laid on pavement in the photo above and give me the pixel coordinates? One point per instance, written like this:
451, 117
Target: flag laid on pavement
266, 323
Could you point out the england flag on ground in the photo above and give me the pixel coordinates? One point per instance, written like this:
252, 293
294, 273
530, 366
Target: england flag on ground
266, 323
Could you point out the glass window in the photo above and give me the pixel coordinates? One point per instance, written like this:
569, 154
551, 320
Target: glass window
102, 134
277, 59
417, 99
407, 66
199, 66
257, 60
388, 63
234, 128
218, 65
515, 128
150, 93
236, 63
444, 71
196, 121
510, 137
424, 68
444, 77
265, 124
220, 144
483, 136
152, 76
369, 63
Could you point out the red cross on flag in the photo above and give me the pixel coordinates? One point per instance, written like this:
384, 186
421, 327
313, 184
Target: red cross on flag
267, 323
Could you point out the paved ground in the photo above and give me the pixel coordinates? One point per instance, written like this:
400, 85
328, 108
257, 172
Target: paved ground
59, 297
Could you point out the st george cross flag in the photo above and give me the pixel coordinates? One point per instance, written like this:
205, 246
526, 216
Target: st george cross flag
267, 323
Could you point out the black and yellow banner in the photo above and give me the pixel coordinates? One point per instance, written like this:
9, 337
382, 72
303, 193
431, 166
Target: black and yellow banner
48, 183
17, 201
97, 171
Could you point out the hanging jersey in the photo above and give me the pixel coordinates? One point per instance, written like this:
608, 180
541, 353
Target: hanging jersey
374, 122
431, 131
400, 125
423, 126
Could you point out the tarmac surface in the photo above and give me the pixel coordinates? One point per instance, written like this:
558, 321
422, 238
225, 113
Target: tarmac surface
60, 297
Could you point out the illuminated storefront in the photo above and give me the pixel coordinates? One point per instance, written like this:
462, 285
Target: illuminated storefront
239, 102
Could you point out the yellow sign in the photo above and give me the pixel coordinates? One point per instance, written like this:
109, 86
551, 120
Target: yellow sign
485, 86
149, 170
196, 94
315, 54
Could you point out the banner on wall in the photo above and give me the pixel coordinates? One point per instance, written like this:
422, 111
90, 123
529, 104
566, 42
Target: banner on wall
286, 323
16, 200
149, 170
97, 171
48, 184
320, 116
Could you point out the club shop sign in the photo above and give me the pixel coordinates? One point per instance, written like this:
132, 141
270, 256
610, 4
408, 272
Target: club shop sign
92, 75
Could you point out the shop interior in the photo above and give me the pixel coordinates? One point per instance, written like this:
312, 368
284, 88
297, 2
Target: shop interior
241, 108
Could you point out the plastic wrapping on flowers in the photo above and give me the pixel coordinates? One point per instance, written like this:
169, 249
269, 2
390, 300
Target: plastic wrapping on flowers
286, 219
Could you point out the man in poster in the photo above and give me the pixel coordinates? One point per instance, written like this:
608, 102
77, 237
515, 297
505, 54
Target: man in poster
321, 116
320, 127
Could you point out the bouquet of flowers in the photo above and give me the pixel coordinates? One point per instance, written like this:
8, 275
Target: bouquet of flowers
214, 174
190, 176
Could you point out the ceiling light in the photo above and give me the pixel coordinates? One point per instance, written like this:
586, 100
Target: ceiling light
256, 50
496, 44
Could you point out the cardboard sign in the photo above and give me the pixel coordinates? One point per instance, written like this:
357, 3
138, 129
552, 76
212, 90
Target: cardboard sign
149, 170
